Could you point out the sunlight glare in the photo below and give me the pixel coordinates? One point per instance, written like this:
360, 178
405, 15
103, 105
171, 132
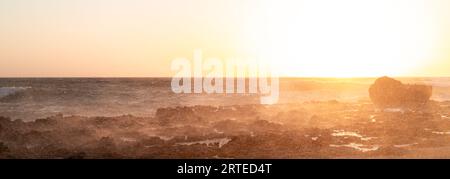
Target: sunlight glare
345, 38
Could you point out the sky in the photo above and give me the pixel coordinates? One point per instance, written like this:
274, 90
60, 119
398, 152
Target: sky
141, 38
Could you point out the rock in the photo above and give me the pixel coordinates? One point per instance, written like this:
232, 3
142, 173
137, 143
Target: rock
3, 148
175, 115
390, 93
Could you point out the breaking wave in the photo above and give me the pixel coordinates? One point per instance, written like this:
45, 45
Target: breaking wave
9, 91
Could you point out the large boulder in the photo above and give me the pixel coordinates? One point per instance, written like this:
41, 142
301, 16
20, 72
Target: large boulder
390, 93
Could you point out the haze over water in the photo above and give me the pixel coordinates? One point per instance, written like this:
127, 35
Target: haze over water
33, 98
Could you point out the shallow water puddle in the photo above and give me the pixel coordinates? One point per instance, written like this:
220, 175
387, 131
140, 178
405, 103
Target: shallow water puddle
342, 133
441, 133
220, 142
372, 118
360, 147
405, 145
393, 110
166, 138
218, 132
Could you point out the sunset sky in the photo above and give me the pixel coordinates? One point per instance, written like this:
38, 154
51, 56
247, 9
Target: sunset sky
321, 38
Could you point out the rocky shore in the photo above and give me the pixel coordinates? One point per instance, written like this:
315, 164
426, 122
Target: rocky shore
328, 129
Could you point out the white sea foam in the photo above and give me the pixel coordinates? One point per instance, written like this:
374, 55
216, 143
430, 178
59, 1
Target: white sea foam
6, 91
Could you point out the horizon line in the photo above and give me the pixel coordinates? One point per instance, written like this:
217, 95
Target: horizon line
3, 77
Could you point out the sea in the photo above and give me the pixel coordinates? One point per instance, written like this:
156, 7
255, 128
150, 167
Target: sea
33, 98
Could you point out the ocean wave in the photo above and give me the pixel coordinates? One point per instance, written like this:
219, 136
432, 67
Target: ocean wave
8, 91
